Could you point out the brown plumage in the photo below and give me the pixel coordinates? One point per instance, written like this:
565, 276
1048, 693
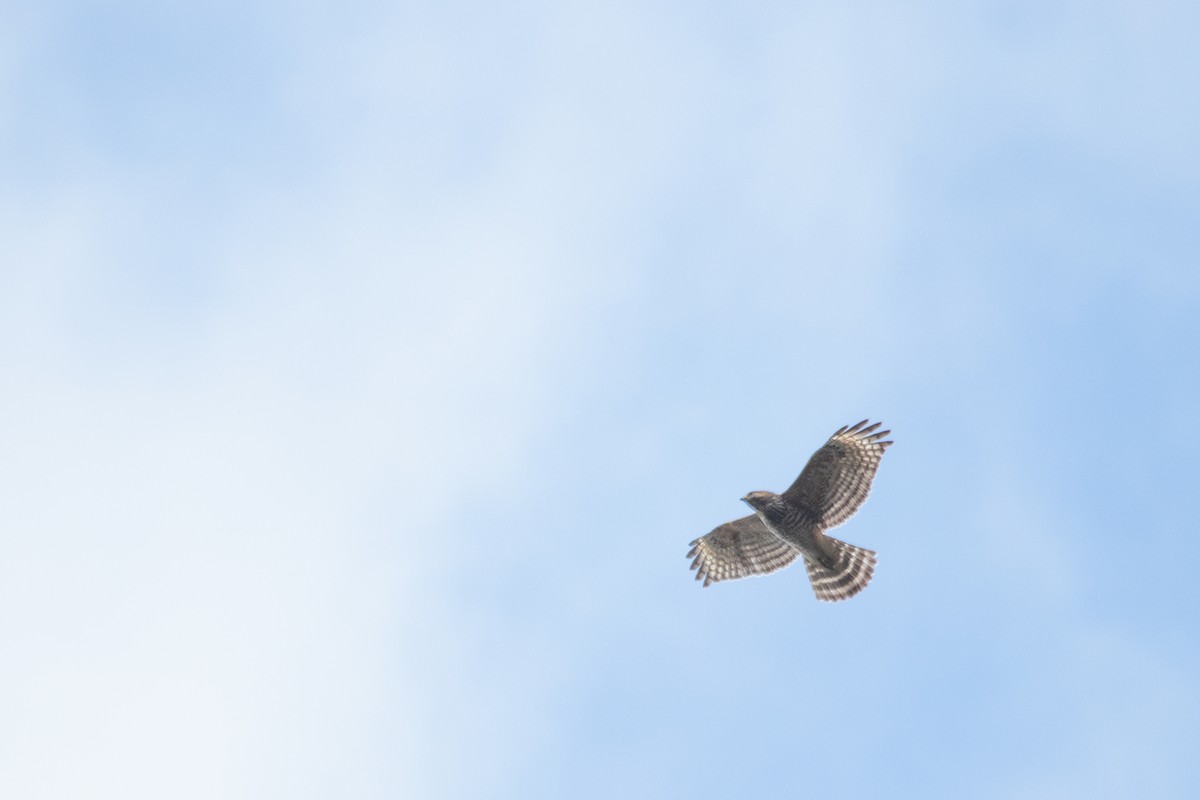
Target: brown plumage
830, 489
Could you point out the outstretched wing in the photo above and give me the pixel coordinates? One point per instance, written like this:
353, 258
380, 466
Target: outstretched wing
738, 549
837, 479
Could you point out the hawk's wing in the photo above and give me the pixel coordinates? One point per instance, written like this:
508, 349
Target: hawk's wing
837, 479
738, 549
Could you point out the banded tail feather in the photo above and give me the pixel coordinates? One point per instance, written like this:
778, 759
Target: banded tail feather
849, 575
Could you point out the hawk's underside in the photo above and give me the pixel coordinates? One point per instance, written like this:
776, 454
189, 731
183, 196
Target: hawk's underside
832, 486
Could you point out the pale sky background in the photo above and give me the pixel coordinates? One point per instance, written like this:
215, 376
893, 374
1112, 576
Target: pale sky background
366, 369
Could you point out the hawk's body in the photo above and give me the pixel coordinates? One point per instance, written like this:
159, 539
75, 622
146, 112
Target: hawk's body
833, 485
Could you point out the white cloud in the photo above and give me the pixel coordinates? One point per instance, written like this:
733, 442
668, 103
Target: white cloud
248, 410
221, 548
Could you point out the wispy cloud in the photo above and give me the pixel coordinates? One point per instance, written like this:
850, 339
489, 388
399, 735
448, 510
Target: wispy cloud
366, 370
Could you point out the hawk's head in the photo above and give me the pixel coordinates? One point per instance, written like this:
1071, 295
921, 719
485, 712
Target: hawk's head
761, 501
770, 507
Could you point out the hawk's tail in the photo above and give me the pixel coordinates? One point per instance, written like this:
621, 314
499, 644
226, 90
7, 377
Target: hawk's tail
849, 576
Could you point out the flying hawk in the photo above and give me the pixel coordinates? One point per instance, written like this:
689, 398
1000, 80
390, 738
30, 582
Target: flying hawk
834, 483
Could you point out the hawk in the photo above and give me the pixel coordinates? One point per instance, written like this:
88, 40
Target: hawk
834, 483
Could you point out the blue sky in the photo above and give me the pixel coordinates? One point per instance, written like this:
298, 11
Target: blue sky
367, 368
